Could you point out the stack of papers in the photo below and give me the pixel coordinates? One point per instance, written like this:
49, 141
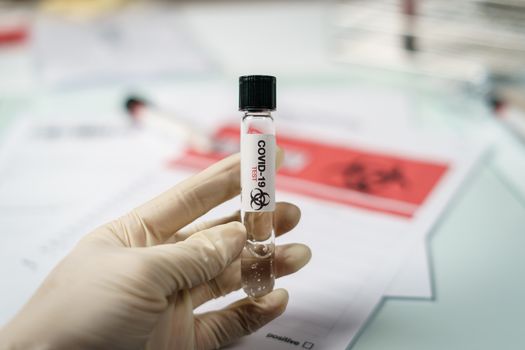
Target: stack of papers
368, 201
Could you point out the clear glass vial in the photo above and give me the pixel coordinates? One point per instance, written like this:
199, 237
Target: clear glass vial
257, 100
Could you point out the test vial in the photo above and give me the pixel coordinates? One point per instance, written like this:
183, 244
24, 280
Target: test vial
257, 99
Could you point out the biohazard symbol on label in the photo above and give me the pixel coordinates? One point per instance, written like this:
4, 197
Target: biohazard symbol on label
259, 199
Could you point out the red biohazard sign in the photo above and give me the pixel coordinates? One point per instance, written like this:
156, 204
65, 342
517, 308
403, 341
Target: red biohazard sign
338, 173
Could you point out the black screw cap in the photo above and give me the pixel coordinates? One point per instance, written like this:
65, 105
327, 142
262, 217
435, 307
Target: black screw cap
257, 92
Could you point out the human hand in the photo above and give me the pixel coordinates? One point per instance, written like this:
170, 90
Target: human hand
134, 282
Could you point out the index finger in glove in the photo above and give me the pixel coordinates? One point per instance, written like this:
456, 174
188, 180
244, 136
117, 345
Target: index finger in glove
196, 260
193, 197
286, 217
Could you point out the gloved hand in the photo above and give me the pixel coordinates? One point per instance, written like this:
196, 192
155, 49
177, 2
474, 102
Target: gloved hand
134, 282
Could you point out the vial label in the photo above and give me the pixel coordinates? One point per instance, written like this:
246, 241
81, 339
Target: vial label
258, 172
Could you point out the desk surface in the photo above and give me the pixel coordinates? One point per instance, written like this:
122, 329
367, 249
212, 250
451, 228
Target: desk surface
476, 252
477, 263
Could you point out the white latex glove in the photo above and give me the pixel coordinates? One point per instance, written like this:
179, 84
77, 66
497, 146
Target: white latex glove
134, 282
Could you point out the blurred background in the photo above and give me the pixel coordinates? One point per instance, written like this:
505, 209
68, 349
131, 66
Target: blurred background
93, 93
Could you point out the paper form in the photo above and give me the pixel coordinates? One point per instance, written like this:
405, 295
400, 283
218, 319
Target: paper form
52, 172
356, 249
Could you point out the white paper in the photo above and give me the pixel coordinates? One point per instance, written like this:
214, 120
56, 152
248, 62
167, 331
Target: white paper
355, 256
413, 280
356, 253
138, 42
53, 172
